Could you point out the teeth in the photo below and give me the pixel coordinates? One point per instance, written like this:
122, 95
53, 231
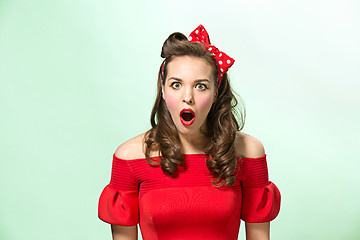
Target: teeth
188, 112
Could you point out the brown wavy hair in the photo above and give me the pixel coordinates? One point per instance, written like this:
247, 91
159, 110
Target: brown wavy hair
222, 124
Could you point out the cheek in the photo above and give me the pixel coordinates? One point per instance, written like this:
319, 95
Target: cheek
171, 101
205, 102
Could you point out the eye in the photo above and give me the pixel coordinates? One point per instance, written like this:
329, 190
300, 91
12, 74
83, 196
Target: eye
175, 85
201, 86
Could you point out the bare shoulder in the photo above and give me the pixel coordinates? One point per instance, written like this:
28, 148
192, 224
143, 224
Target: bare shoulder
131, 149
248, 146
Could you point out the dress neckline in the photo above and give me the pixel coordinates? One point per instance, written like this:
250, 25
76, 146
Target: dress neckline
187, 155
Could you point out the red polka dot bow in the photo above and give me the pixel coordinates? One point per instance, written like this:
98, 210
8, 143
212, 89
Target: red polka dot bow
223, 61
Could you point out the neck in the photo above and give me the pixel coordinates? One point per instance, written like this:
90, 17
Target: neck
194, 143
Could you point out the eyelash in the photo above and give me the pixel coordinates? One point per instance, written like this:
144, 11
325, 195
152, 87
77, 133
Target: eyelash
203, 85
196, 86
173, 83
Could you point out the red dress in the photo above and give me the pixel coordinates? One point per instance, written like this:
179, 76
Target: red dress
187, 206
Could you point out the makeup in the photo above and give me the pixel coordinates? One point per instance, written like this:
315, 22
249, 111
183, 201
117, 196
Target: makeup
187, 116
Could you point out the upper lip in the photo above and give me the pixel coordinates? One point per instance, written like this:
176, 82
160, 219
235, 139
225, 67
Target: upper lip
187, 110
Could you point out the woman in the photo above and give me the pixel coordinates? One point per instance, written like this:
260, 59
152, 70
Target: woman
193, 175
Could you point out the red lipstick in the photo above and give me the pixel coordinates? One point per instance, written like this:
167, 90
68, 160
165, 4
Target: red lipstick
187, 116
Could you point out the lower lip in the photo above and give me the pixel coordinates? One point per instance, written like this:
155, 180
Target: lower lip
187, 123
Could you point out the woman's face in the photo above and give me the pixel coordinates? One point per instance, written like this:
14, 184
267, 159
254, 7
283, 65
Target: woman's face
189, 92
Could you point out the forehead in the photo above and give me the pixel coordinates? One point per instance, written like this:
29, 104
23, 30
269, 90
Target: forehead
190, 68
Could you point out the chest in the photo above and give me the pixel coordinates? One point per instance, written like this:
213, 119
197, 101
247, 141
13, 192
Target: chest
200, 212
187, 204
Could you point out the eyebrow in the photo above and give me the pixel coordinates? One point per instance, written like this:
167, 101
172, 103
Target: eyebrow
197, 80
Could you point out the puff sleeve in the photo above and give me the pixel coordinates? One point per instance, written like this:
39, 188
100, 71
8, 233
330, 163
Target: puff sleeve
261, 198
118, 203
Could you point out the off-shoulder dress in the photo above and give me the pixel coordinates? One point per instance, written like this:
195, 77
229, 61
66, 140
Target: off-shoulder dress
187, 206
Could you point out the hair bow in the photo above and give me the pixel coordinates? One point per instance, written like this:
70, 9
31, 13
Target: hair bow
223, 61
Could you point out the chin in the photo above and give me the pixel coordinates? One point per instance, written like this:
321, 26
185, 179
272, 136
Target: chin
187, 130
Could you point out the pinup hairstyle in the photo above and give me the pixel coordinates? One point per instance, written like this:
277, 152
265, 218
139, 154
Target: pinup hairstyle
221, 122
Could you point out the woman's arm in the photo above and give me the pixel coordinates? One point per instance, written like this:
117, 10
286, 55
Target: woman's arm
124, 233
257, 231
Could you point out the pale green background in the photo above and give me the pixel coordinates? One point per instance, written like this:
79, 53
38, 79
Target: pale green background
78, 78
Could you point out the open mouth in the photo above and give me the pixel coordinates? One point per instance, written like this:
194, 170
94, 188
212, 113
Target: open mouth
187, 116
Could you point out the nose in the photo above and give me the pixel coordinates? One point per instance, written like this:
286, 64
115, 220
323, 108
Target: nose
188, 96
